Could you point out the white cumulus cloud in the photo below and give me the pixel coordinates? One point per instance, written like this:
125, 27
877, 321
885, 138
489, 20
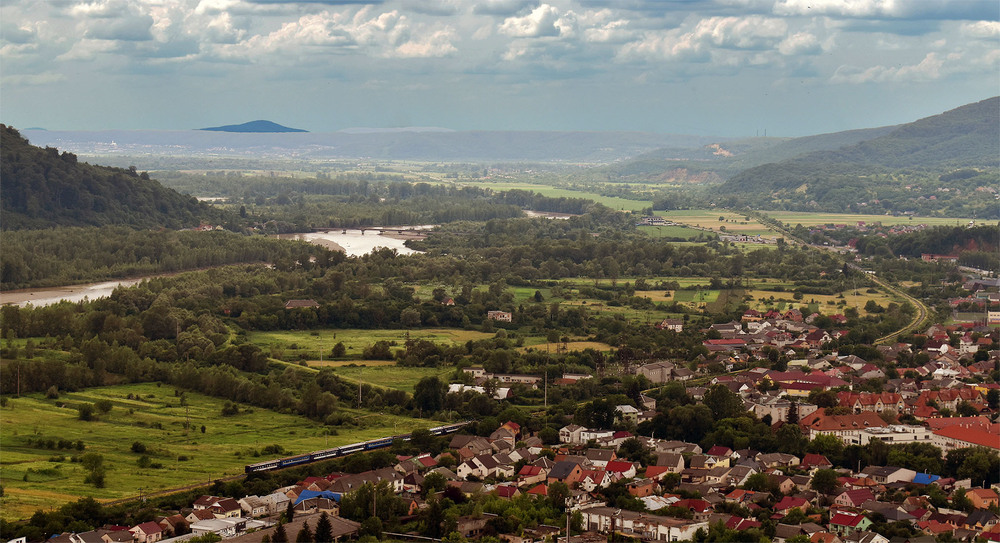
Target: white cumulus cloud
540, 22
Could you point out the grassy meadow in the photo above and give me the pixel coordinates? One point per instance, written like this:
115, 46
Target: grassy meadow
385, 373
813, 219
308, 344
708, 219
36, 477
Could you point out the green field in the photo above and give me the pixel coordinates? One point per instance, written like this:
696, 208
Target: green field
39, 478
851, 219
696, 296
390, 375
620, 204
734, 223
307, 345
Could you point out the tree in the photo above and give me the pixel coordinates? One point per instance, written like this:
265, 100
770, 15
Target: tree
85, 411
324, 529
558, 493
428, 394
824, 481
371, 526
723, 402
290, 511
434, 482
279, 534
305, 535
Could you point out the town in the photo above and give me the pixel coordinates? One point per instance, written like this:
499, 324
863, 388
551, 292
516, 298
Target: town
857, 454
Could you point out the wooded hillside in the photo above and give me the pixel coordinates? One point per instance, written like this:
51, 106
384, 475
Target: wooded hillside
43, 188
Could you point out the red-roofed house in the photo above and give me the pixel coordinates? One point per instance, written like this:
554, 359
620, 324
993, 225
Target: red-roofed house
507, 492
147, 532
719, 450
815, 461
530, 475
591, 479
623, 470
957, 437
854, 498
845, 523
847, 427
740, 523
790, 502
540, 490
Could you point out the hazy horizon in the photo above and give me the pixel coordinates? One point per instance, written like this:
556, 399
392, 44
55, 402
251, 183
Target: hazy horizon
726, 68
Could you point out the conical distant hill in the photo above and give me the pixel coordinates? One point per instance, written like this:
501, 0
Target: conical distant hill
254, 126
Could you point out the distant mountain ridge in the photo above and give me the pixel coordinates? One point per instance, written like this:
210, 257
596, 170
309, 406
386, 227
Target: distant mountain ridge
43, 188
590, 147
967, 136
254, 126
946, 164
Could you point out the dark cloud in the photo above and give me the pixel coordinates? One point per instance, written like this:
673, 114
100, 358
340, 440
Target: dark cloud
132, 28
14, 34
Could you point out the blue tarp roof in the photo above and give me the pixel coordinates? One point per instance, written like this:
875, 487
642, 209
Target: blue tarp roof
307, 494
925, 478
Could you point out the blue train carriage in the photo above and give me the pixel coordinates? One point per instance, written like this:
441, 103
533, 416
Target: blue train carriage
262, 466
379, 443
295, 460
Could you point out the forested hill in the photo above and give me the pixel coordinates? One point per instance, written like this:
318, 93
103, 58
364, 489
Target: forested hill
43, 188
899, 171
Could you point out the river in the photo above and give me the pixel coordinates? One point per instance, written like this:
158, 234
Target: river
352, 242
74, 293
355, 242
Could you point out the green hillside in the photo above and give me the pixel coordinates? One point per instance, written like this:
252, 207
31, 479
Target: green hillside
946, 164
43, 188
720, 161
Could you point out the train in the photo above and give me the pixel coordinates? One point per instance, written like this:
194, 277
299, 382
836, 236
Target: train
344, 450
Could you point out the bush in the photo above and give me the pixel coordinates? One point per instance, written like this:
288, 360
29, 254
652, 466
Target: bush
138, 447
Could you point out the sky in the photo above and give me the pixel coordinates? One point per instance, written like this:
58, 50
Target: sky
708, 67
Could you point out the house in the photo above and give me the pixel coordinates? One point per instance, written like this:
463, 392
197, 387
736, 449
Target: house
253, 506
788, 503
600, 457
565, 472
624, 470
956, 437
846, 427
982, 498
204, 514
673, 461
844, 523
276, 502
118, 536
507, 492
627, 413
571, 434
173, 525
889, 474
500, 316
147, 532
644, 526
854, 498
675, 325
530, 475
642, 488
657, 372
